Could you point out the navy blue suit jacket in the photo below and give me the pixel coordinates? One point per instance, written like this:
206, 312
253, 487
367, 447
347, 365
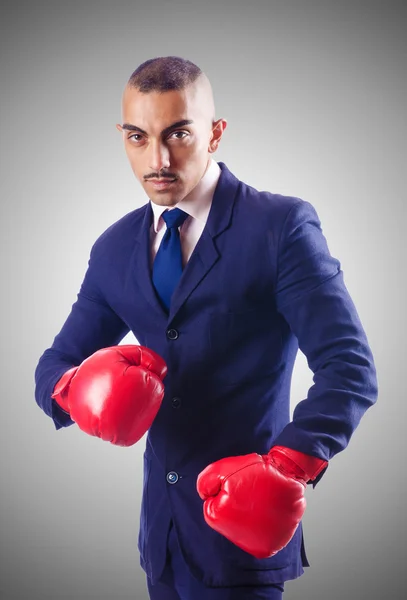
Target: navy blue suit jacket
260, 283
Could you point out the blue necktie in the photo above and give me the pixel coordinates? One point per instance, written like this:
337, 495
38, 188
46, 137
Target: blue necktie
167, 268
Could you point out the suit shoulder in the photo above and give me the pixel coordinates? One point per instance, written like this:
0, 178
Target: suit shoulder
262, 203
125, 228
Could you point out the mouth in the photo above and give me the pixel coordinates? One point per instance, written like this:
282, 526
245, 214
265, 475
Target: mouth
161, 184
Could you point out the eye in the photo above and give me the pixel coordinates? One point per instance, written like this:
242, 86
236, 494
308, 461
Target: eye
183, 133
136, 137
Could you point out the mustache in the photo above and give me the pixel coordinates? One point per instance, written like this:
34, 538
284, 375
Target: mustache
161, 175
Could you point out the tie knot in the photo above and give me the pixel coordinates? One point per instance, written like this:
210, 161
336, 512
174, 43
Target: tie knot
174, 217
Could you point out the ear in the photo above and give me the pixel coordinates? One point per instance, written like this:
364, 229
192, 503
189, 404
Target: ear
119, 127
217, 130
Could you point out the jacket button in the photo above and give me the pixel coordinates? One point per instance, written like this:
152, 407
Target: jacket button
172, 477
172, 334
176, 402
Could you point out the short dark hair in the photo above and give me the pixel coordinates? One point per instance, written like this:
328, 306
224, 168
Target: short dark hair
164, 73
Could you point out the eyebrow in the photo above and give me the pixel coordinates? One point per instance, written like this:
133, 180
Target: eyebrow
164, 132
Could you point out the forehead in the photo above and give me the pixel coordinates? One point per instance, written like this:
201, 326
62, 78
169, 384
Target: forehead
155, 110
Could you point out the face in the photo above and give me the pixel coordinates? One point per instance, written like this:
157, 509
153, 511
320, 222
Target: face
168, 138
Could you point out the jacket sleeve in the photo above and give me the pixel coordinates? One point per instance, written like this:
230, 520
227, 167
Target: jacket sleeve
90, 326
312, 297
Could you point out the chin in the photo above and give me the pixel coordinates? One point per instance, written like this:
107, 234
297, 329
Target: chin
169, 198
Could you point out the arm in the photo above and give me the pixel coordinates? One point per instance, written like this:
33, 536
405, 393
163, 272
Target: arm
312, 297
90, 326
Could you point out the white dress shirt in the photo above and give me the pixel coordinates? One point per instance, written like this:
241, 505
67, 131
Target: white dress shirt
197, 204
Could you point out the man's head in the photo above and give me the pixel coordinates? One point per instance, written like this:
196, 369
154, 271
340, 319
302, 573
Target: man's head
169, 128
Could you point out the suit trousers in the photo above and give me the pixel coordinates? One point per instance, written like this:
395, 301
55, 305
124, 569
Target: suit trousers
177, 583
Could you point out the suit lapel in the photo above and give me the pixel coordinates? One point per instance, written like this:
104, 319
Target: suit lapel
142, 267
205, 253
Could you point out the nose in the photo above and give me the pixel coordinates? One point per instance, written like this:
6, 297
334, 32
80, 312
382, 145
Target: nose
159, 157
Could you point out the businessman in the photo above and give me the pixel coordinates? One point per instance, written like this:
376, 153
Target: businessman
221, 284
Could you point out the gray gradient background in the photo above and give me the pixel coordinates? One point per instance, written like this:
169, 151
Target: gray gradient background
315, 98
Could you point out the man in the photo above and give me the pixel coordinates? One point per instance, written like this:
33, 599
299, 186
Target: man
224, 468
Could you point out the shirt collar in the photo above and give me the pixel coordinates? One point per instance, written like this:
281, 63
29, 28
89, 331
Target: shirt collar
198, 202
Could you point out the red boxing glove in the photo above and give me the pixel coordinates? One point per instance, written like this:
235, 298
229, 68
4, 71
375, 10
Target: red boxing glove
257, 501
115, 393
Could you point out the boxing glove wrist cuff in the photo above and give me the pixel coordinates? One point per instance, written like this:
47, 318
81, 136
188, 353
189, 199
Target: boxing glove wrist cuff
60, 391
300, 465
